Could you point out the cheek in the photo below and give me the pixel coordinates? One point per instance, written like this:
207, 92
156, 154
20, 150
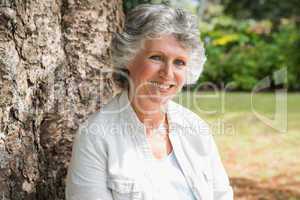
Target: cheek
180, 77
144, 72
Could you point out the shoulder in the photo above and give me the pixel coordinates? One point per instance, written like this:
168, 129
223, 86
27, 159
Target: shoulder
187, 116
99, 122
192, 129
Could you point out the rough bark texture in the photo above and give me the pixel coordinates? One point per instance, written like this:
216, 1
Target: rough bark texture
53, 54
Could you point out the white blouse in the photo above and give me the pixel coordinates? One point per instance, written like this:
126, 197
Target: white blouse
169, 181
111, 158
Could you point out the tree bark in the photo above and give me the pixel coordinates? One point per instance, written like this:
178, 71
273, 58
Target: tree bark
54, 56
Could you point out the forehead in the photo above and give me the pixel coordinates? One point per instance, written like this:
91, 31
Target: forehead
165, 44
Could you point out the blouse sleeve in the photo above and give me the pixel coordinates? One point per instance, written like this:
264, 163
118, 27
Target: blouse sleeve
86, 179
221, 185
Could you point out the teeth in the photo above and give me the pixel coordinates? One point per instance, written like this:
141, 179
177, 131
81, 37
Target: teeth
162, 86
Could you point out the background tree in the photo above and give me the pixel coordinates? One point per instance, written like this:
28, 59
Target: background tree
53, 55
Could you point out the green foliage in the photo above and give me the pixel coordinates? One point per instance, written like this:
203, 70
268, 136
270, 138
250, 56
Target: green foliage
261, 9
243, 52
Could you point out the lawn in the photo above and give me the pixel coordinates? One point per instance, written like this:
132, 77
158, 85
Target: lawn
259, 140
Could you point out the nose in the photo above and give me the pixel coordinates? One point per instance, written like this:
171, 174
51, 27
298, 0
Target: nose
167, 71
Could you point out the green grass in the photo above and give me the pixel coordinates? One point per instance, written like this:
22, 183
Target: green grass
249, 147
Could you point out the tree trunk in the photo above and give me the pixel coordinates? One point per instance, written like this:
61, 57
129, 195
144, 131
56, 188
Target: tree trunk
53, 58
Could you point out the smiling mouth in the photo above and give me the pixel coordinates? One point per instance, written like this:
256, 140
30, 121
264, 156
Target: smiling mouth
163, 86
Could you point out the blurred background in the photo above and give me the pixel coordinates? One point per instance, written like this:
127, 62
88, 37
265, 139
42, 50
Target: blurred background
249, 91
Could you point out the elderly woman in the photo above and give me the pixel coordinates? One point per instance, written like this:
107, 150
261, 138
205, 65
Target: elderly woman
142, 145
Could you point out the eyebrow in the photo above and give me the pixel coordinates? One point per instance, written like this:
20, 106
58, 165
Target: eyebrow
160, 52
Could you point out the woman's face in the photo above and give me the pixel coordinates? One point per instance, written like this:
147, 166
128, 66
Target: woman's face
158, 70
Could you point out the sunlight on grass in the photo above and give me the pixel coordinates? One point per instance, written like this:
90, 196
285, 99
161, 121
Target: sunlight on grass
249, 147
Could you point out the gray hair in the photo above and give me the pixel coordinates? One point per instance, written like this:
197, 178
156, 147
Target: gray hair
148, 21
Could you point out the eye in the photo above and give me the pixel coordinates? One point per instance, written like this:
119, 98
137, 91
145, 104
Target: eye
180, 62
156, 57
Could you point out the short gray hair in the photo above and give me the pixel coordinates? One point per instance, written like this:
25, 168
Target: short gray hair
151, 21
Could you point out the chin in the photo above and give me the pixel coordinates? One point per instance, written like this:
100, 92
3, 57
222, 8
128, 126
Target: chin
160, 100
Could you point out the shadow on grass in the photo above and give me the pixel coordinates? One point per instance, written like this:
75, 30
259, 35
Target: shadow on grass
245, 188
